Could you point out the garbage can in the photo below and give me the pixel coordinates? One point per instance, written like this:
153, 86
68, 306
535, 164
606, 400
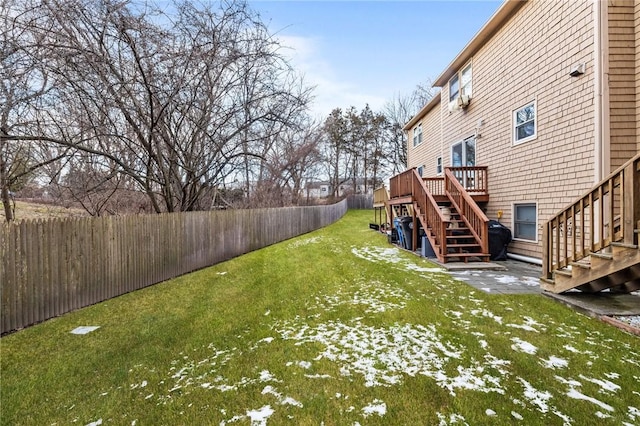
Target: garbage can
499, 239
427, 249
397, 226
406, 224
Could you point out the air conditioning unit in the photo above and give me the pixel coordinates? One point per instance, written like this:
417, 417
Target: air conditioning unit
463, 101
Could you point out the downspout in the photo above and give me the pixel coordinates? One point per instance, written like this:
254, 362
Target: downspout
441, 133
522, 258
601, 155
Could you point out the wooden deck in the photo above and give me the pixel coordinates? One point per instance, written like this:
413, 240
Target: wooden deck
457, 233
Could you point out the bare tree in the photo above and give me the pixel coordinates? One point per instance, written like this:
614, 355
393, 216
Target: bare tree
175, 102
25, 89
398, 111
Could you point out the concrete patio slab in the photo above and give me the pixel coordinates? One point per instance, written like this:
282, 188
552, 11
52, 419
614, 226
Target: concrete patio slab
503, 277
599, 304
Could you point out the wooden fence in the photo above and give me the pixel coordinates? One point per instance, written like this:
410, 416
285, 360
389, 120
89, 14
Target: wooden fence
48, 268
360, 201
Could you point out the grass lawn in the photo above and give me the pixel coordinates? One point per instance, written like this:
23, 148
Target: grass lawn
334, 327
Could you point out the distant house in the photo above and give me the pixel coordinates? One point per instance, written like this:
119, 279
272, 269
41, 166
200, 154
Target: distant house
318, 189
347, 187
541, 105
322, 189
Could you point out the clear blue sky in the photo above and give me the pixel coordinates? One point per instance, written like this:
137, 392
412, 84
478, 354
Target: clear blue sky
359, 52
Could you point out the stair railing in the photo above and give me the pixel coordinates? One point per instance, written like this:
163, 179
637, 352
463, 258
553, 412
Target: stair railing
470, 212
609, 212
432, 218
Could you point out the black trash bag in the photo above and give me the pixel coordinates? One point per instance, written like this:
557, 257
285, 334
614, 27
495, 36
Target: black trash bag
499, 239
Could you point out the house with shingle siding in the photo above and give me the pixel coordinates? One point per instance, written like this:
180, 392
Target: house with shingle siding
546, 99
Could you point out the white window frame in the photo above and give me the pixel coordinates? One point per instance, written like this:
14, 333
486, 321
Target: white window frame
466, 88
514, 221
453, 96
439, 169
464, 75
421, 171
417, 135
515, 126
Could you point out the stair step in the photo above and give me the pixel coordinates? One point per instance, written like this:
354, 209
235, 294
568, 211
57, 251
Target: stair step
606, 256
580, 264
466, 255
459, 230
462, 245
624, 245
563, 272
548, 281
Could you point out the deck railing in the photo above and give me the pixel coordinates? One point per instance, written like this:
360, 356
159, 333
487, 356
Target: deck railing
471, 214
435, 185
400, 185
380, 196
472, 178
610, 212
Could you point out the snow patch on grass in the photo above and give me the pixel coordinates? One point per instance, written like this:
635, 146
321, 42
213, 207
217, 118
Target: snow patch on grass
554, 362
384, 356
390, 255
453, 419
605, 385
487, 314
538, 398
305, 241
522, 346
376, 407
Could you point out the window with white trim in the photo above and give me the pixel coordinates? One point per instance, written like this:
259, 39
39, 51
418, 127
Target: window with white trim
465, 81
524, 123
454, 88
461, 84
417, 135
439, 166
421, 170
525, 221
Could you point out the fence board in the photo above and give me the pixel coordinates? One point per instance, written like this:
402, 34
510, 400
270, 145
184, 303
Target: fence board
52, 267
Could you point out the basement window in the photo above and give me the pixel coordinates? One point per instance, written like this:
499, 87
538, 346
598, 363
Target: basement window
525, 222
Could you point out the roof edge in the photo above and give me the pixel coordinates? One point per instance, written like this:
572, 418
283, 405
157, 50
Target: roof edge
423, 111
497, 20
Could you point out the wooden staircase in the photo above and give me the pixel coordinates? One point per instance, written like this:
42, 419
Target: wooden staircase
461, 234
592, 245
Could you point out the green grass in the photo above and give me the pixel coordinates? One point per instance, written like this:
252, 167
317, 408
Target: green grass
316, 329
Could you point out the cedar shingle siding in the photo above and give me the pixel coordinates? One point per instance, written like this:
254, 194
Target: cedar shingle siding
528, 58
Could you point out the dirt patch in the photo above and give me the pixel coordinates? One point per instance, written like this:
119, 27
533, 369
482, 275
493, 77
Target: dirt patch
27, 210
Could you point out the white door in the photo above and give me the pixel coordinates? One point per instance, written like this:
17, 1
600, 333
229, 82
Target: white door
463, 154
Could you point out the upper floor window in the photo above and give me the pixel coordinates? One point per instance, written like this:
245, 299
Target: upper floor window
525, 123
417, 135
454, 88
461, 83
